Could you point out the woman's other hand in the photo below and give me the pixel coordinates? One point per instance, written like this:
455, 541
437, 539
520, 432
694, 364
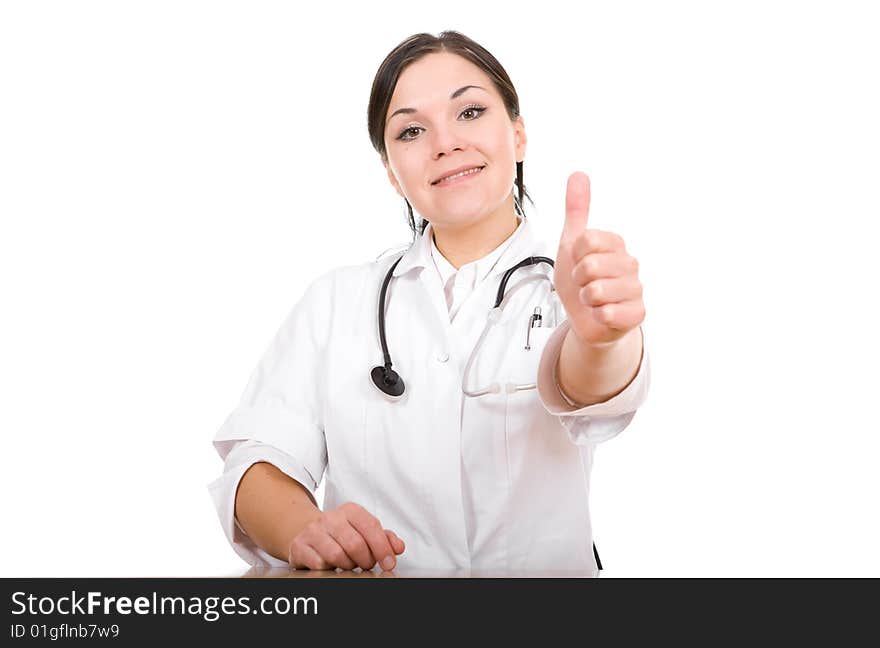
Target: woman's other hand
346, 537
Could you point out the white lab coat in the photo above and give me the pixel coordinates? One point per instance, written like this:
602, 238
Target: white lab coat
498, 482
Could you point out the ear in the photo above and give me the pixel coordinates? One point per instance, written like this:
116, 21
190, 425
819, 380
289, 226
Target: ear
519, 138
392, 178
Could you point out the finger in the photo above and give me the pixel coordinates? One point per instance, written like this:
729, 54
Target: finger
369, 527
352, 543
577, 204
611, 291
622, 316
332, 551
396, 543
603, 265
303, 556
595, 240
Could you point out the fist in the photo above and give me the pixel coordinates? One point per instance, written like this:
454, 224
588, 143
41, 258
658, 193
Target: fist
596, 279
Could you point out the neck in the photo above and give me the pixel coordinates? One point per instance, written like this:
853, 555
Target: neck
461, 245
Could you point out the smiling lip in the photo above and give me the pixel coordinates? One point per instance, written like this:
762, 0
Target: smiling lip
437, 183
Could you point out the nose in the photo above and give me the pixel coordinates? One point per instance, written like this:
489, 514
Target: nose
445, 141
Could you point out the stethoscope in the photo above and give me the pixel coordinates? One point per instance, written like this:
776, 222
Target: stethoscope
391, 384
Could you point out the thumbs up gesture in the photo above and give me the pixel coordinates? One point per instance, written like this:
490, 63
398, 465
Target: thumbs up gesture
595, 278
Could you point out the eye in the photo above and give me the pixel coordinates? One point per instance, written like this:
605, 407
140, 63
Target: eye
403, 133
474, 109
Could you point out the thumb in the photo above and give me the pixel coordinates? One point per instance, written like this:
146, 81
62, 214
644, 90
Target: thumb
396, 543
577, 204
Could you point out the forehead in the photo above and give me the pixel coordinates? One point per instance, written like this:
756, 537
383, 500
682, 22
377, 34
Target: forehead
433, 78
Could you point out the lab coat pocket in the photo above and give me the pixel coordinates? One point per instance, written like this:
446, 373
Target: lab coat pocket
520, 375
520, 365
533, 435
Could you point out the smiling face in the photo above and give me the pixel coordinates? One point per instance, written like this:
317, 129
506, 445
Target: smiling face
446, 114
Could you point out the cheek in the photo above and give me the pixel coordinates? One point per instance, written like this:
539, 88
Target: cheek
408, 171
503, 151
505, 166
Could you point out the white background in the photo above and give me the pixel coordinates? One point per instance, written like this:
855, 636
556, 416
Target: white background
174, 174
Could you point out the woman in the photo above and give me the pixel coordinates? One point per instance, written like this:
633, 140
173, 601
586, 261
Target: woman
449, 438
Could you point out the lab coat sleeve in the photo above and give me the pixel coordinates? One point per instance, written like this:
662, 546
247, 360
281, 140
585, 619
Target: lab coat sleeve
278, 419
242, 456
595, 423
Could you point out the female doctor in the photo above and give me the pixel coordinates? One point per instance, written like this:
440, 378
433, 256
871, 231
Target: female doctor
452, 396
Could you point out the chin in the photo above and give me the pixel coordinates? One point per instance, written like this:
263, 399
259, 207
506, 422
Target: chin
458, 219
466, 213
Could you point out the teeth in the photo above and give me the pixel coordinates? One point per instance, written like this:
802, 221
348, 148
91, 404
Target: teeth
468, 172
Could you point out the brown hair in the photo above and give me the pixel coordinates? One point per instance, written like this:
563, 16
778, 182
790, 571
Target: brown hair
411, 50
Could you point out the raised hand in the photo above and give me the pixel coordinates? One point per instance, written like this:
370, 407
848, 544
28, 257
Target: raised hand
595, 278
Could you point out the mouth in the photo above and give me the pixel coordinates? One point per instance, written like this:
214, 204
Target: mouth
461, 176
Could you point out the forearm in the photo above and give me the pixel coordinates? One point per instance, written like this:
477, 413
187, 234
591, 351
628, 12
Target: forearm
593, 374
272, 508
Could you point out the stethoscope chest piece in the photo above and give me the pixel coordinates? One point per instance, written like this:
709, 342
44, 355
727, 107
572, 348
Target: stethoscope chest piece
388, 381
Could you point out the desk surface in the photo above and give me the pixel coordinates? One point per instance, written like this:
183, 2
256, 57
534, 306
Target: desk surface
284, 572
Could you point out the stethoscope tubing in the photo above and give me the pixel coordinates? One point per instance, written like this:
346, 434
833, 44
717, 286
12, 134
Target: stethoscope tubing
391, 384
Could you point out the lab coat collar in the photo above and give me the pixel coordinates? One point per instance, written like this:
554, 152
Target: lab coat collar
476, 270
521, 244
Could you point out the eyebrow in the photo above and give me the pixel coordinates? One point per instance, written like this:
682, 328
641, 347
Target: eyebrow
454, 95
